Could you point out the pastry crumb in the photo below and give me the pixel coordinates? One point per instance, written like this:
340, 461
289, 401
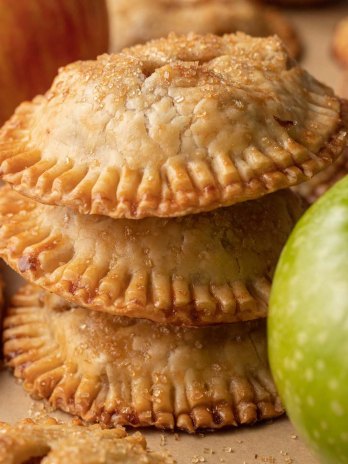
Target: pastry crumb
227, 449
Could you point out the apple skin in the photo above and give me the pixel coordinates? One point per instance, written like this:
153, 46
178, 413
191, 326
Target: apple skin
308, 326
39, 36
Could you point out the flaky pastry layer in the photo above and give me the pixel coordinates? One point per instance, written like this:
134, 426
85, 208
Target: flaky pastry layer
177, 126
137, 21
134, 372
50, 442
193, 270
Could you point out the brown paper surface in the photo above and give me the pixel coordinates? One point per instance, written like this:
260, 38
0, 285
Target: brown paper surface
273, 442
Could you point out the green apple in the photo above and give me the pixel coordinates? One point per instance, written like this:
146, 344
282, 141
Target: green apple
308, 326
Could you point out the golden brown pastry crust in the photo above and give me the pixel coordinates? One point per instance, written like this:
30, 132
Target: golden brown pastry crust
320, 183
177, 126
193, 270
135, 372
340, 42
56, 443
138, 21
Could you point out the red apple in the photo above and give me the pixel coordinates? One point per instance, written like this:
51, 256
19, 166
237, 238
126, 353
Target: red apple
39, 36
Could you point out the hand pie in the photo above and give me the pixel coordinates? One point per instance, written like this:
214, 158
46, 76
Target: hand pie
137, 21
50, 442
340, 42
193, 270
177, 126
319, 184
135, 372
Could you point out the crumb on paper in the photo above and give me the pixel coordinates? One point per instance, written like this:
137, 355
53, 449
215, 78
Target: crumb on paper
269, 459
38, 410
266, 459
227, 449
208, 451
198, 459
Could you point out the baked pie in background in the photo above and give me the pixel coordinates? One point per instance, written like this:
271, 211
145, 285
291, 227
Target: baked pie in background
193, 270
177, 126
324, 180
319, 184
138, 21
50, 441
340, 42
125, 371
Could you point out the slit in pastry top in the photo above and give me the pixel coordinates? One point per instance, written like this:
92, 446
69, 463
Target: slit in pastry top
173, 127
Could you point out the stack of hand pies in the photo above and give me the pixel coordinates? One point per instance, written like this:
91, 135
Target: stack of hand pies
149, 207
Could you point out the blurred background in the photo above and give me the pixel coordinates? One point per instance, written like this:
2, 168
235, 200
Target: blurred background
39, 36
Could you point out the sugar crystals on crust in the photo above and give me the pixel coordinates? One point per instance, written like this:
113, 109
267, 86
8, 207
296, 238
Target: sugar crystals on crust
177, 126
